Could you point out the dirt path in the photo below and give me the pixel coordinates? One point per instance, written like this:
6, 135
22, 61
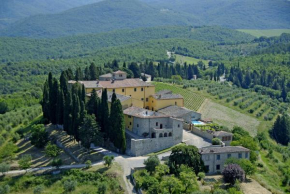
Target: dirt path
253, 187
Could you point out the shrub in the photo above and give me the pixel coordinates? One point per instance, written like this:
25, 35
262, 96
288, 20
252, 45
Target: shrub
69, 185
102, 187
233, 172
216, 141
151, 163
108, 160
38, 189
4, 189
4, 168
88, 164
51, 150
25, 161
39, 136
57, 162
201, 175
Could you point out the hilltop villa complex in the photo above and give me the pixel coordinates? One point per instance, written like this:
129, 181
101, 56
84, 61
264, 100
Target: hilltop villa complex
153, 121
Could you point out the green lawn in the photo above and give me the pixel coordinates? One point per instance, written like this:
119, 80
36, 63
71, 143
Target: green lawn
189, 60
268, 33
192, 100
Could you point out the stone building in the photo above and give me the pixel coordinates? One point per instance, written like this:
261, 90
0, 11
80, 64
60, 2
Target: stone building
214, 157
149, 131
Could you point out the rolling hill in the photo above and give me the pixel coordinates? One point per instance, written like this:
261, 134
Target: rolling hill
19, 49
237, 14
13, 10
104, 16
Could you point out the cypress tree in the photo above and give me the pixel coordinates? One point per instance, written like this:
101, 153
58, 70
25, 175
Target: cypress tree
105, 112
83, 98
60, 107
70, 74
67, 112
92, 103
93, 72
45, 101
63, 82
79, 74
53, 101
76, 116
87, 74
114, 98
118, 126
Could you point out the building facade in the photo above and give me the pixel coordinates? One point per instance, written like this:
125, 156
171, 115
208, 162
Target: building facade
214, 157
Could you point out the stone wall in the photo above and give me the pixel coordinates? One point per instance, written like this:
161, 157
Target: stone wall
140, 147
201, 133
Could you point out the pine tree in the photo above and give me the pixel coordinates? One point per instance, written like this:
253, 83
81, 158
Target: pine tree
284, 93
45, 102
118, 126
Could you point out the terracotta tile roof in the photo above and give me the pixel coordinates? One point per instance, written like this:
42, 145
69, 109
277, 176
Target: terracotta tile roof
225, 149
142, 113
167, 96
175, 111
119, 72
107, 75
126, 83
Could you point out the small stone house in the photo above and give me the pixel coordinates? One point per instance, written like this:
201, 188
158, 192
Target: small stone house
214, 157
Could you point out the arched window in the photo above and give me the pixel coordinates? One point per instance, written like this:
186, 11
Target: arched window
153, 135
170, 134
165, 134
160, 135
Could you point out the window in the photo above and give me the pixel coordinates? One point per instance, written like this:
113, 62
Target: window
247, 154
135, 89
207, 168
121, 75
152, 101
146, 99
160, 135
161, 126
142, 99
240, 155
123, 90
130, 123
170, 134
142, 89
229, 155
175, 103
152, 109
156, 124
113, 90
165, 134
129, 116
218, 167
153, 135
218, 157
178, 125
137, 125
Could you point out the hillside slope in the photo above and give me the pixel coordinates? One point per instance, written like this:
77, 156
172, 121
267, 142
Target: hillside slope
13, 10
249, 14
19, 49
99, 17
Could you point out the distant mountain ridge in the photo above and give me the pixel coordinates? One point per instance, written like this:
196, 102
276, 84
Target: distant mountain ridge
13, 10
104, 16
237, 14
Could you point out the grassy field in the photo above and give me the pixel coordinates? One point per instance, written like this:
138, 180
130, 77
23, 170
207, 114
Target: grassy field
228, 117
189, 60
268, 33
192, 100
